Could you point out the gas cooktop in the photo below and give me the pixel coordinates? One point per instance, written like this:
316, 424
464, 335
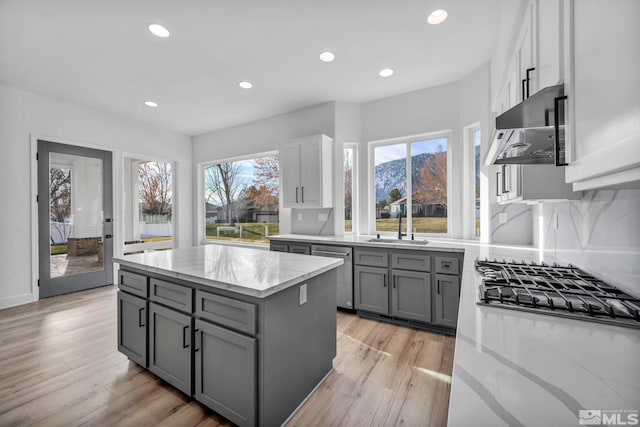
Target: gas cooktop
557, 290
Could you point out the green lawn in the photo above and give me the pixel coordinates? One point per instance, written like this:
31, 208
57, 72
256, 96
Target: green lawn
422, 225
58, 249
251, 231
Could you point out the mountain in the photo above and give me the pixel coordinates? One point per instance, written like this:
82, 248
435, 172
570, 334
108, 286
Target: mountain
390, 175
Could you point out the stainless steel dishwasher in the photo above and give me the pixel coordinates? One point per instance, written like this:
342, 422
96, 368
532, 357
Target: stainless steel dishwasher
345, 271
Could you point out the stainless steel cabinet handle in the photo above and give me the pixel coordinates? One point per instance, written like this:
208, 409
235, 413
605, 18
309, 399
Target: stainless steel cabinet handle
329, 253
504, 179
302, 193
498, 183
438, 283
296, 194
384, 280
141, 322
394, 280
197, 336
556, 125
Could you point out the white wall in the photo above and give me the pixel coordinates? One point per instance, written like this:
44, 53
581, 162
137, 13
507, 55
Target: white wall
264, 135
23, 114
599, 233
257, 137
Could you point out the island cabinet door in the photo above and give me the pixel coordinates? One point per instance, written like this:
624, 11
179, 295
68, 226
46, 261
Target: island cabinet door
170, 335
447, 300
226, 372
371, 289
411, 295
132, 327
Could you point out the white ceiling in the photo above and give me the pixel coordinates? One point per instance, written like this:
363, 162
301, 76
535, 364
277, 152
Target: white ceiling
100, 53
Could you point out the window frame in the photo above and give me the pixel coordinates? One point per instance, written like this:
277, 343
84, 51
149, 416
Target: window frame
469, 182
130, 192
354, 187
408, 140
200, 228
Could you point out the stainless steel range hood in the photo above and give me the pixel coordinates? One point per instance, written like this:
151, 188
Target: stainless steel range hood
532, 132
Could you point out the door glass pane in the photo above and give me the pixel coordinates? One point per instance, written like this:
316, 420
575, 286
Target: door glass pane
75, 214
390, 183
429, 186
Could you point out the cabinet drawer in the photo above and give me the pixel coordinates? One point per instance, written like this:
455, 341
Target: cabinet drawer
133, 283
225, 311
300, 249
171, 295
371, 258
279, 247
447, 265
416, 262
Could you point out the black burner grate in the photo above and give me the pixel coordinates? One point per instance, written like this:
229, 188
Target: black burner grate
558, 290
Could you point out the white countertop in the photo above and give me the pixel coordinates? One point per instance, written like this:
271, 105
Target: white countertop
514, 368
247, 271
440, 245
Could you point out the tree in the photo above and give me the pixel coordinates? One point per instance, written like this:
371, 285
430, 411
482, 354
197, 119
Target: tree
266, 184
154, 189
348, 184
59, 194
223, 182
394, 195
430, 187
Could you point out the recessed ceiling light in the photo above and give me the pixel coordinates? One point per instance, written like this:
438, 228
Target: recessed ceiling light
150, 104
158, 30
327, 56
245, 85
385, 72
437, 17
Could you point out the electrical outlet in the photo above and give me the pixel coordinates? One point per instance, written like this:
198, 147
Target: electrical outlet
299, 217
323, 217
303, 294
502, 218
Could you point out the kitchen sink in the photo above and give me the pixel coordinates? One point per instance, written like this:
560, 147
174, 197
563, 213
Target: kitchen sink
398, 241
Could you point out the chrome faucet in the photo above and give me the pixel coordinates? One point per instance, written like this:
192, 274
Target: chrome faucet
400, 233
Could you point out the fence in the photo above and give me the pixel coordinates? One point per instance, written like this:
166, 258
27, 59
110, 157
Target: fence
60, 232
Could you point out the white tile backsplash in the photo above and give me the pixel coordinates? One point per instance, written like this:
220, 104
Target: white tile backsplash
314, 222
599, 233
517, 228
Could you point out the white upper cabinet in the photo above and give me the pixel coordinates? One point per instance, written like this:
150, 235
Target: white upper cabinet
305, 174
603, 127
549, 37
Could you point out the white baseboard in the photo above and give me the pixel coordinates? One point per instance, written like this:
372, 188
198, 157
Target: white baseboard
16, 300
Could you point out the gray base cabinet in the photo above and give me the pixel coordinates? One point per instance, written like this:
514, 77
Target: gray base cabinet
411, 295
132, 327
407, 286
447, 300
370, 289
170, 346
252, 360
225, 372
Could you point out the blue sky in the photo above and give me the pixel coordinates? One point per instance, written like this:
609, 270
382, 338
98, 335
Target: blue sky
387, 153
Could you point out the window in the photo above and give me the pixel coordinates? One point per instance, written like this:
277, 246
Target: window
425, 206
476, 151
149, 209
241, 199
350, 173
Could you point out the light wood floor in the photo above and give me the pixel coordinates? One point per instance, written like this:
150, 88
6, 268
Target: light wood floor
59, 367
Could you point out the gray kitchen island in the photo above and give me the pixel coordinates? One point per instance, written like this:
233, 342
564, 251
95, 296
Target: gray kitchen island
249, 333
